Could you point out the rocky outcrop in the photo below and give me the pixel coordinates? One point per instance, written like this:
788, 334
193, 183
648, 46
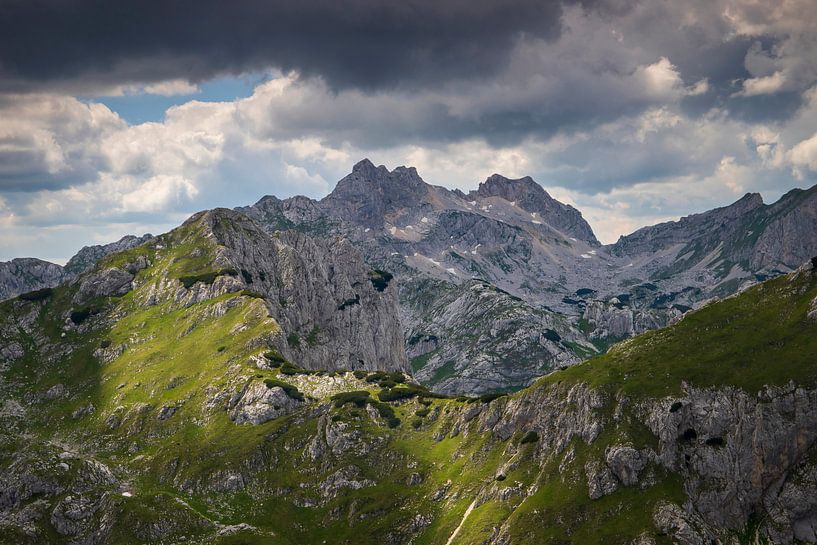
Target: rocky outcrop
257, 403
106, 283
345, 478
600, 480
85, 520
616, 321
28, 274
735, 451
812, 311
626, 463
71, 492
456, 347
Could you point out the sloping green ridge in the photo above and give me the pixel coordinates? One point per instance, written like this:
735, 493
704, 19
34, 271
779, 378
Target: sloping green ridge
757, 338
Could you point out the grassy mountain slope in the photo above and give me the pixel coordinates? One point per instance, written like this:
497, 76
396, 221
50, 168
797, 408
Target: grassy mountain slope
125, 426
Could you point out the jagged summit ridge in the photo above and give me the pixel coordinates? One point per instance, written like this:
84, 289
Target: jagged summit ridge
369, 194
532, 197
513, 234
748, 233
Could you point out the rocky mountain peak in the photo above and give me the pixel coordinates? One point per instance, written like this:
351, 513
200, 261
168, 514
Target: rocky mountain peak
497, 185
367, 169
530, 196
368, 193
746, 204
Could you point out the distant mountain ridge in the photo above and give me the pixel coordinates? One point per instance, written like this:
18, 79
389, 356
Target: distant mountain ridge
25, 274
512, 235
755, 235
510, 260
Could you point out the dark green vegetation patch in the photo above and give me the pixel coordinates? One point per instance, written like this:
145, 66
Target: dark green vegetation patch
37, 295
205, 277
380, 279
289, 389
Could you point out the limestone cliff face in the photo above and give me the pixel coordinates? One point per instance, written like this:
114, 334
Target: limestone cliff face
720, 223
334, 311
617, 321
795, 212
747, 233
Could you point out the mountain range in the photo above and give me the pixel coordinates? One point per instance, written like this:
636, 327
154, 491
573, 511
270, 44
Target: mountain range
228, 384
504, 284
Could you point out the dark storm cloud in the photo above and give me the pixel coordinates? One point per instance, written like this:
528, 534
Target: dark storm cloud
357, 43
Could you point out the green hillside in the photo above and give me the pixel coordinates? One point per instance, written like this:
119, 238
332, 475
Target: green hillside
149, 386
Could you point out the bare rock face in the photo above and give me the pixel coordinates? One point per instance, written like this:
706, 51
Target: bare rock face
369, 193
335, 439
85, 519
733, 448
736, 453
105, 283
258, 404
663, 235
72, 493
28, 274
626, 463
487, 322
685, 528
812, 311
748, 232
558, 414
611, 321
345, 478
795, 212
600, 480
335, 312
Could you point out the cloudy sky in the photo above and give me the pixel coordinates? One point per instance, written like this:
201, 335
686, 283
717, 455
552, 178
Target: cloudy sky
125, 117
